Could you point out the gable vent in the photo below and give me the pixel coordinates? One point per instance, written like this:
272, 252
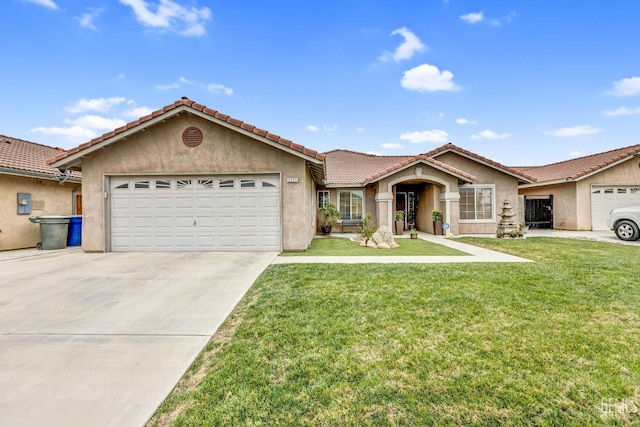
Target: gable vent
192, 137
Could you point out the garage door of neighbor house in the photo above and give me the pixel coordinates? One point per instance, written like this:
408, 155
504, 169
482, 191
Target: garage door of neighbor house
200, 213
605, 198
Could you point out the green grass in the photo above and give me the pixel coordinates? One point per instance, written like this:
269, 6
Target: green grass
341, 246
428, 344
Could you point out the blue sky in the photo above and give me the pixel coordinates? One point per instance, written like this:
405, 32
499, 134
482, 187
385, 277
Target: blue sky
521, 82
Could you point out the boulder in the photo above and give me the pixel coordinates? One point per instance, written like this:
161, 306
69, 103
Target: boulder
383, 246
394, 245
383, 235
363, 243
371, 244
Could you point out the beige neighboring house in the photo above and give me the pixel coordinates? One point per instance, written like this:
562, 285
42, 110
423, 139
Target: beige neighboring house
578, 194
30, 187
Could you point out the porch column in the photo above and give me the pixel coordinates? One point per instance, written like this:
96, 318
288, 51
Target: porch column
384, 208
449, 198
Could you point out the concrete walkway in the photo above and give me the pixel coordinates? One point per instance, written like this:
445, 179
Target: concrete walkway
475, 254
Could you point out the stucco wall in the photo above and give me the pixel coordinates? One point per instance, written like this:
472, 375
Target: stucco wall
564, 203
48, 198
506, 188
572, 200
160, 150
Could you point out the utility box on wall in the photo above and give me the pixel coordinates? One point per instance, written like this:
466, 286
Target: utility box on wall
24, 203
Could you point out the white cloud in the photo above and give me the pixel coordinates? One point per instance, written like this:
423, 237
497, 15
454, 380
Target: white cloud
209, 87
435, 135
312, 128
463, 121
46, 3
218, 88
626, 87
472, 18
576, 153
87, 18
361, 130
329, 128
392, 146
121, 76
489, 134
170, 16
75, 134
622, 111
96, 122
568, 132
407, 49
101, 105
137, 112
167, 86
428, 78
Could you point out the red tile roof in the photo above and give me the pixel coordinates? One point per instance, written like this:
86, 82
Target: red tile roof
353, 168
28, 158
451, 147
575, 169
186, 102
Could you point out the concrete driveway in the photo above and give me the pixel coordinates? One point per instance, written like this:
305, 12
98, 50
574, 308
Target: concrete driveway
102, 339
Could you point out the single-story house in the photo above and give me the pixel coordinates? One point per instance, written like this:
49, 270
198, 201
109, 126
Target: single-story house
578, 194
189, 178
30, 187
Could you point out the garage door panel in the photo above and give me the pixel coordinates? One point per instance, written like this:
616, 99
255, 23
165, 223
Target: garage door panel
191, 214
606, 198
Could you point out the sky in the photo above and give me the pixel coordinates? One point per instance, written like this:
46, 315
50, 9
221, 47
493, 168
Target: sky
527, 82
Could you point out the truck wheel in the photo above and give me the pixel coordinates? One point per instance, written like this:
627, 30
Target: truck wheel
627, 230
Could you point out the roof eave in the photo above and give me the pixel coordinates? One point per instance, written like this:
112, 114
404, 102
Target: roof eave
485, 163
31, 174
422, 162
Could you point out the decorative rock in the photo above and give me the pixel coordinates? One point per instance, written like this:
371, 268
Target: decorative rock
383, 235
363, 243
394, 245
371, 244
383, 246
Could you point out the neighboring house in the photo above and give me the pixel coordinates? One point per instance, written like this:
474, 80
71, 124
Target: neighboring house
30, 187
578, 194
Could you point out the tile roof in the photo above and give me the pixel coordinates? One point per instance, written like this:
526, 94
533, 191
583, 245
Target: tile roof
28, 158
451, 147
575, 169
353, 168
186, 102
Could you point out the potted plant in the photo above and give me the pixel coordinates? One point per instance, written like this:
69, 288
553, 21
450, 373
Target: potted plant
436, 215
330, 215
399, 228
413, 233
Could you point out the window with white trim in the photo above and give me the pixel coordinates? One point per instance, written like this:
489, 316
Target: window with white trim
477, 203
323, 199
351, 204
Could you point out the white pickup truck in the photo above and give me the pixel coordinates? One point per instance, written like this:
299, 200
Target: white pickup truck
625, 222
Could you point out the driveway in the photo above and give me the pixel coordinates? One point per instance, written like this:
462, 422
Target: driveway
102, 339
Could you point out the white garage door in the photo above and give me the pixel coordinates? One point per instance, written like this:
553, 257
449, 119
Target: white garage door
605, 198
203, 213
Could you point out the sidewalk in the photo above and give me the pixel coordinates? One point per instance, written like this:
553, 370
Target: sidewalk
476, 254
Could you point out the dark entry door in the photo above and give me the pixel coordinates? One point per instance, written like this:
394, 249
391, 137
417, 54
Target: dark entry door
539, 211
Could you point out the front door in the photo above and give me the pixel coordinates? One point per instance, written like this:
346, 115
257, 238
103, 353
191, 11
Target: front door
406, 202
538, 211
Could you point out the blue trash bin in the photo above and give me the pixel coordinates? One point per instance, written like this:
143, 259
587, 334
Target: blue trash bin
75, 231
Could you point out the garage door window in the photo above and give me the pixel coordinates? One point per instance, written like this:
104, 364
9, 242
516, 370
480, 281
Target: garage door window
247, 183
163, 184
141, 184
226, 183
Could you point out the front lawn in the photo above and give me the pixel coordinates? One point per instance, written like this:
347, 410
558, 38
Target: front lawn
554, 342
342, 246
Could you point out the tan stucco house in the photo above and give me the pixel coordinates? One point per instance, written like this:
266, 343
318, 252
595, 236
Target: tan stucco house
30, 187
190, 178
578, 194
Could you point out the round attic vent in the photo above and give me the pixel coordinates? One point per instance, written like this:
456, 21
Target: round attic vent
192, 136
